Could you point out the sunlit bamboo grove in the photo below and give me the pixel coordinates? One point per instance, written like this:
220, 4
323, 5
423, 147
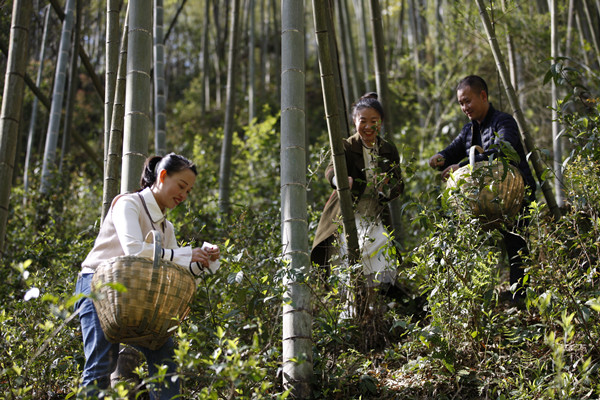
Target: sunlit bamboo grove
258, 93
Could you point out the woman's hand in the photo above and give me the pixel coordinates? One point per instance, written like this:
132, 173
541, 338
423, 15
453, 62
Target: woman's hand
201, 256
382, 180
213, 252
205, 254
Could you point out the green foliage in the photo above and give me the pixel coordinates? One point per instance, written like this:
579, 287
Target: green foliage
468, 344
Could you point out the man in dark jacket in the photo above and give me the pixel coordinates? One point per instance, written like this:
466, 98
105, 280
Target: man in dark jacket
492, 130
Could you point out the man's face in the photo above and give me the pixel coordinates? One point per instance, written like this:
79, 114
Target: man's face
474, 105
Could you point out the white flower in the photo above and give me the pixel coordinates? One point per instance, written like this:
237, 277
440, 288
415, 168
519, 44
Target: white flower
32, 293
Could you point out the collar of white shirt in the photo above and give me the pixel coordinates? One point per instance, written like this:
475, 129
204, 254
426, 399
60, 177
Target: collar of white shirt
155, 213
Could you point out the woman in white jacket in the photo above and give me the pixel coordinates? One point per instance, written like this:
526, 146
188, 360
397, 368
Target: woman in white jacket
165, 183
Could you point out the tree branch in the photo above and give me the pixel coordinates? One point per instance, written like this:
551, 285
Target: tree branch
172, 24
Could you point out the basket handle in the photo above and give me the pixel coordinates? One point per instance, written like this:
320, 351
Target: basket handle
472, 154
157, 238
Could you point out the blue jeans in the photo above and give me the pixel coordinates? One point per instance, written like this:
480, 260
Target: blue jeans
101, 355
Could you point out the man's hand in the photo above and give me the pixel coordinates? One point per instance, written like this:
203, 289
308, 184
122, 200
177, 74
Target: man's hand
447, 171
437, 161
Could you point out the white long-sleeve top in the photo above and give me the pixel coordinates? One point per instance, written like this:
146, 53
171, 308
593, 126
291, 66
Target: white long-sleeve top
126, 227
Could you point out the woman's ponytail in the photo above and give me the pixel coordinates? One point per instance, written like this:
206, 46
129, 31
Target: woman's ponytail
149, 174
171, 163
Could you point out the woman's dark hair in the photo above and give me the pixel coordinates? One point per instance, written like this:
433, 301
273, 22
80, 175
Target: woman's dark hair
368, 100
171, 163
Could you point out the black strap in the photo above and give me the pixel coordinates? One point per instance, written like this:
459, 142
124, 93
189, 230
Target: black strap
476, 139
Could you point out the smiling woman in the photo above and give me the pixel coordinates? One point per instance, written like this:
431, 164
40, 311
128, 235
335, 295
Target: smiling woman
171, 190
375, 178
165, 183
367, 122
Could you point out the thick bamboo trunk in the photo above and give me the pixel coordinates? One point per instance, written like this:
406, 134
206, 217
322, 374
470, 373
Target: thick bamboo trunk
297, 314
334, 125
137, 95
12, 100
115, 139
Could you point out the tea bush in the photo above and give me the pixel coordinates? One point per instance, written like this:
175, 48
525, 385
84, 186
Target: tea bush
467, 344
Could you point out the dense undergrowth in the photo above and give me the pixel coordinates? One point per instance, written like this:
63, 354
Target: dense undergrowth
467, 344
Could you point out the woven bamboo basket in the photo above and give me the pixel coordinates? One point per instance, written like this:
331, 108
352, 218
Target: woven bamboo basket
155, 302
494, 190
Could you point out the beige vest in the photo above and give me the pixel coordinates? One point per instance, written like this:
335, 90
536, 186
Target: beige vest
107, 243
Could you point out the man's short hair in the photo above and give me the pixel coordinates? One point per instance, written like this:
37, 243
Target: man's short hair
476, 83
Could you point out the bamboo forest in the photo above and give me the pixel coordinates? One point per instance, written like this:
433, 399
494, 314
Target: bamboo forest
432, 299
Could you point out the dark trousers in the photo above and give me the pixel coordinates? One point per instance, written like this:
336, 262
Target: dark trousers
516, 249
